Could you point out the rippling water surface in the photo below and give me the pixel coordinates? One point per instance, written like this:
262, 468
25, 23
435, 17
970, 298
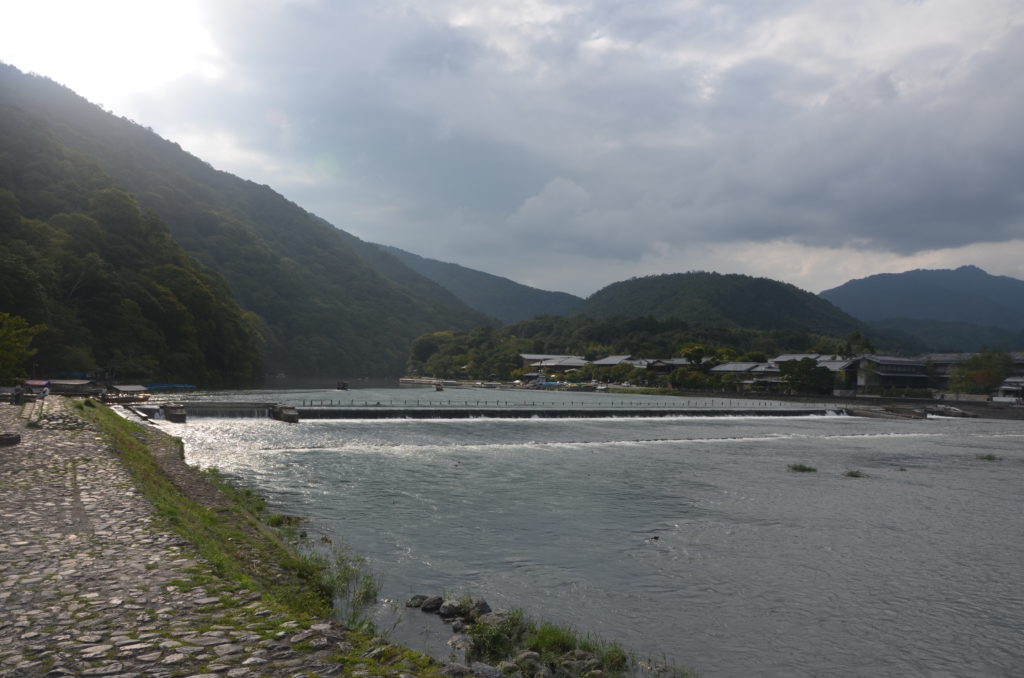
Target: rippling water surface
914, 570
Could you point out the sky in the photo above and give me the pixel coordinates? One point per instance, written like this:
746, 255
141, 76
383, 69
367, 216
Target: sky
571, 144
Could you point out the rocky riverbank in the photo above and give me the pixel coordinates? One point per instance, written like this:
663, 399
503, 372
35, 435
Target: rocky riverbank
94, 583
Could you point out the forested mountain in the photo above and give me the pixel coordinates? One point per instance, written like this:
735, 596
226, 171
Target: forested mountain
504, 299
963, 295
325, 309
113, 289
720, 300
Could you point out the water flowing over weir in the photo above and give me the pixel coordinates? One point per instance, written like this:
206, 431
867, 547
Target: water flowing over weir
910, 568
223, 410
500, 408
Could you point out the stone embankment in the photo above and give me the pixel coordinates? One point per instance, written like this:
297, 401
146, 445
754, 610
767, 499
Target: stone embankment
92, 584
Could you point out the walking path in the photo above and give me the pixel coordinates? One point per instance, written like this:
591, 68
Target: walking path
92, 585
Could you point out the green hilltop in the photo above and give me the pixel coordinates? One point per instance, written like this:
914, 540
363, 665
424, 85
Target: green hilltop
720, 300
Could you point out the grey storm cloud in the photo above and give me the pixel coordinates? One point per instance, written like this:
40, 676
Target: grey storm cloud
612, 128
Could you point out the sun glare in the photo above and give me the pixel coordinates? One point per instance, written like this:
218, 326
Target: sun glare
109, 49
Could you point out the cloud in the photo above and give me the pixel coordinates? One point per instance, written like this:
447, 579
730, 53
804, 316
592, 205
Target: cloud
598, 138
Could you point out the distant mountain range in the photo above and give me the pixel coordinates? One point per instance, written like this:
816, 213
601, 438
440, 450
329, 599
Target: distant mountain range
501, 298
964, 309
136, 253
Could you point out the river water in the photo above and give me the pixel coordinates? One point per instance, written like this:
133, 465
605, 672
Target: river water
683, 537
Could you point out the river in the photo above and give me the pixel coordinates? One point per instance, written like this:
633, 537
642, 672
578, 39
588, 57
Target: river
682, 537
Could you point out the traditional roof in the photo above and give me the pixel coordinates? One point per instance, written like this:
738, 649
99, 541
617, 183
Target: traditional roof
893, 360
836, 365
786, 357
537, 357
612, 360
563, 361
735, 368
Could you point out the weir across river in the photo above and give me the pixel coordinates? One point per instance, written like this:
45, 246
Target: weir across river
493, 409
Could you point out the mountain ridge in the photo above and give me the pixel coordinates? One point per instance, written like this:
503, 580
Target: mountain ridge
502, 298
966, 294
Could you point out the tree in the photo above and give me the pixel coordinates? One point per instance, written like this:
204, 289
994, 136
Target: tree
15, 346
806, 376
982, 372
694, 353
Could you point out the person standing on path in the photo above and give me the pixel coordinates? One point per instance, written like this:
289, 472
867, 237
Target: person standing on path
45, 392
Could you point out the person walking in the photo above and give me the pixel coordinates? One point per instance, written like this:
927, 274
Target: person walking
45, 392
16, 395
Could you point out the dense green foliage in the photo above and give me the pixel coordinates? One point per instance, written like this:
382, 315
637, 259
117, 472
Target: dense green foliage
718, 300
981, 373
326, 309
15, 347
494, 354
806, 376
114, 291
504, 299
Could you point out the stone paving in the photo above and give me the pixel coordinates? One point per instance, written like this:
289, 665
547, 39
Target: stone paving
91, 585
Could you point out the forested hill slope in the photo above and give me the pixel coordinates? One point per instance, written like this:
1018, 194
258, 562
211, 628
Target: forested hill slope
964, 295
504, 299
325, 310
116, 294
720, 300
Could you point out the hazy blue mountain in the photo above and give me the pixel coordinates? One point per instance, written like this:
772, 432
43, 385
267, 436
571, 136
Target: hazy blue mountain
501, 298
946, 337
325, 309
720, 300
963, 295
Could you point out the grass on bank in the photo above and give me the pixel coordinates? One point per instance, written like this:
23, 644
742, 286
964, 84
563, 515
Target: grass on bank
561, 650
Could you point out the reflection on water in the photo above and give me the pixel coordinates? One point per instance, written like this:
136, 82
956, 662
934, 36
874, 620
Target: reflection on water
913, 570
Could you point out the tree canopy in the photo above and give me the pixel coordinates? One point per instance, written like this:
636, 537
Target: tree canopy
982, 372
15, 347
114, 291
